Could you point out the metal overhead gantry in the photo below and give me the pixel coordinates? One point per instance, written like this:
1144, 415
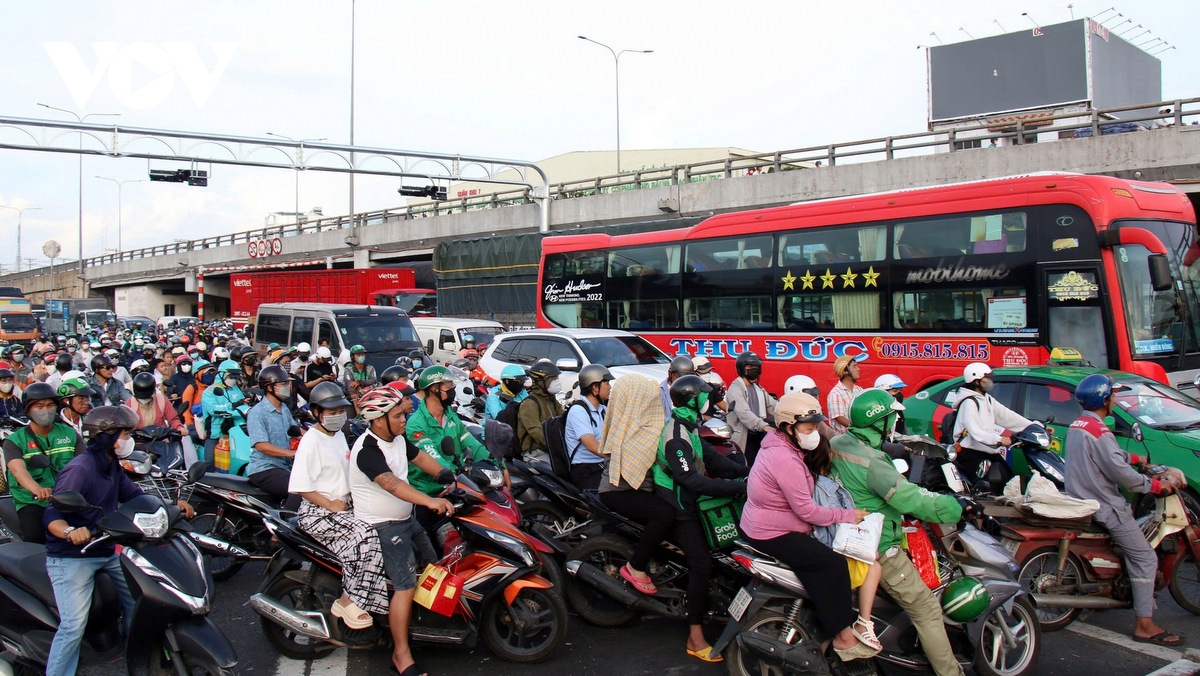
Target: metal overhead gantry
117, 140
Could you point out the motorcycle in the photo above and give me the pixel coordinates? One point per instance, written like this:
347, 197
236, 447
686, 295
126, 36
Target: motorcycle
1029, 452
232, 509
164, 445
1070, 565
515, 610
773, 628
166, 574
597, 592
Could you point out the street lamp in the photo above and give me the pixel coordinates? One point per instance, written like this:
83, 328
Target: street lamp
20, 213
617, 68
299, 161
81, 120
120, 184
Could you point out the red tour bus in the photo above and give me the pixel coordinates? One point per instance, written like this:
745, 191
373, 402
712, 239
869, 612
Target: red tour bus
915, 282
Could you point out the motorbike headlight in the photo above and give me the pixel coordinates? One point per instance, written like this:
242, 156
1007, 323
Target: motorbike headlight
495, 477
1052, 471
514, 546
951, 452
1042, 439
154, 525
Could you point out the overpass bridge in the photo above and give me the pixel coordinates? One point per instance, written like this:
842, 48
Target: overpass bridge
141, 281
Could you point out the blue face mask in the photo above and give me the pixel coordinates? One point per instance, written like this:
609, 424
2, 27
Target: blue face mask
208, 378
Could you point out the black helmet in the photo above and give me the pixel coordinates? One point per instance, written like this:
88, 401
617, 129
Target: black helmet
591, 374
543, 368
100, 361
327, 395
393, 373
144, 385
6, 373
110, 419
682, 366
461, 364
62, 362
272, 375
747, 360
687, 388
37, 392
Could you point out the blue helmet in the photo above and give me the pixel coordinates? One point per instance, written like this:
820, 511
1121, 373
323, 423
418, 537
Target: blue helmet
1092, 391
512, 371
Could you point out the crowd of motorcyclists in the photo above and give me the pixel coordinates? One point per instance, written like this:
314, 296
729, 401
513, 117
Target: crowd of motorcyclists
372, 495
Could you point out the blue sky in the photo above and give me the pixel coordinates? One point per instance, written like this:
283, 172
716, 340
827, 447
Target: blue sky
472, 77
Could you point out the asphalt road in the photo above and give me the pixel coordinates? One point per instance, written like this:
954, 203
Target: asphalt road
1096, 645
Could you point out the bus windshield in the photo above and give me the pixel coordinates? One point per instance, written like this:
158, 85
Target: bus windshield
1162, 323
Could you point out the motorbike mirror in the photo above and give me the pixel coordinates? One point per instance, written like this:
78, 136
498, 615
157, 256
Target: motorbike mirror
69, 501
1111, 422
445, 477
197, 471
468, 390
901, 465
39, 461
448, 448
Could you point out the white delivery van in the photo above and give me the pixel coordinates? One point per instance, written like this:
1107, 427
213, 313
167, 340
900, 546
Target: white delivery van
443, 336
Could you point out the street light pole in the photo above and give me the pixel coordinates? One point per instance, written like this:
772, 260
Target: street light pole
120, 184
299, 162
617, 67
20, 215
80, 119
351, 113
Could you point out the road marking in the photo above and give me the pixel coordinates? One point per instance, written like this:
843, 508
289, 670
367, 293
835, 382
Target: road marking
1101, 634
333, 665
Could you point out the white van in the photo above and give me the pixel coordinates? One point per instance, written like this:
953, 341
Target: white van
385, 332
443, 336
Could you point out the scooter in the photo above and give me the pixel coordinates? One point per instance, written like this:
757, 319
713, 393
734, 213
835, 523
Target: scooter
1029, 452
166, 574
773, 628
504, 599
232, 509
1073, 565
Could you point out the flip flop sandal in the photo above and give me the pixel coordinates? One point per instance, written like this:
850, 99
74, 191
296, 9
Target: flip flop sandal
351, 614
645, 586
1161, 639
705, 654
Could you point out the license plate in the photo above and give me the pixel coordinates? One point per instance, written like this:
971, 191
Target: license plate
740, 602
1011, 545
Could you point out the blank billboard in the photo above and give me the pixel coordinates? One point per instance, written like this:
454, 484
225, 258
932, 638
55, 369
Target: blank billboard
1040, 67
1123, 75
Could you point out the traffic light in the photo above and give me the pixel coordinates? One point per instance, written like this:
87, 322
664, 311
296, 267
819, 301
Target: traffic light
194, 177
433, 192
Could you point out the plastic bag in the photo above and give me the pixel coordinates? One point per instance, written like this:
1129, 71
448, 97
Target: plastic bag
859, 541
922, 553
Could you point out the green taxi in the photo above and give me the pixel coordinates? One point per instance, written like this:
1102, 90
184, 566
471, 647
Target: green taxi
1151, 419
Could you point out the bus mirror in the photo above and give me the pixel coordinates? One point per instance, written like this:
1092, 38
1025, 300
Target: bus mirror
1160, 272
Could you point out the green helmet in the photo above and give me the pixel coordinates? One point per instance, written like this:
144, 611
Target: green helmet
964, 599
357, 349
75, 387
432, 376
872, 406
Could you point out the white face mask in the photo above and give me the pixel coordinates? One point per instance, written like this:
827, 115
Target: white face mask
6, 387
185, 368
554, 387
124, 447
333, 422
809, 441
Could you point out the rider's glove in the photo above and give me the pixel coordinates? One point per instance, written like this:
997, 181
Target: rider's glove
1159, 487
970, 508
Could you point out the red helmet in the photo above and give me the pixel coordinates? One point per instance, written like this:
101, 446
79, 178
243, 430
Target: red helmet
377, 402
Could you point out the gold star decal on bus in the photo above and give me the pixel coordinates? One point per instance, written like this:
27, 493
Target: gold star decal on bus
808, 279
870, 277
827, 279
848, 279
789, 282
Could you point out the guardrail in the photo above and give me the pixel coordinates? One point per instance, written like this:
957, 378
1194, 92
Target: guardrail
1016, 131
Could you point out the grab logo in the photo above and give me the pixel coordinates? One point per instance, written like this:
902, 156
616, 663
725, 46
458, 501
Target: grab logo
155, 66
875, 410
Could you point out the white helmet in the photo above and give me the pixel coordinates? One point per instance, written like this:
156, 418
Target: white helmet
801, 384
976, 371
220, 354
889, 381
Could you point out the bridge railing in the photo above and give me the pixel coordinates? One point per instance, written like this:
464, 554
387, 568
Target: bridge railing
1014, 130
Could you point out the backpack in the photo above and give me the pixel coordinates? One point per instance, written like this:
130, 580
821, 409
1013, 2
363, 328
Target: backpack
946, 429
554, 429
